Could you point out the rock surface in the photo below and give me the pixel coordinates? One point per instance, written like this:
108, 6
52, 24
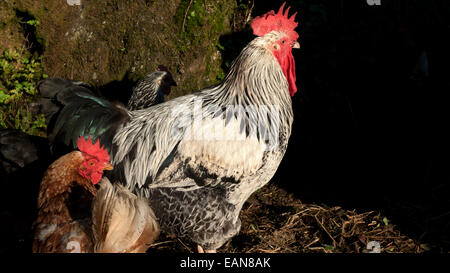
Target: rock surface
103, 41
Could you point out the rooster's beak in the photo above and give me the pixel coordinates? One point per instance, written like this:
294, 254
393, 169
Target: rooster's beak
296, 45
108, 167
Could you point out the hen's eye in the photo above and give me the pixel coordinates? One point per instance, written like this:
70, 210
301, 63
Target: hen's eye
283, 41
91, 163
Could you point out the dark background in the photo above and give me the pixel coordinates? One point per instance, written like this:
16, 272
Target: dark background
369, 116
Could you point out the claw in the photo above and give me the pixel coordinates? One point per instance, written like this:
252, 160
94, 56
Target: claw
200, 249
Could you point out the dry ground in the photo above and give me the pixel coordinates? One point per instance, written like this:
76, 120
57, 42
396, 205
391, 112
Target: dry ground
273, 221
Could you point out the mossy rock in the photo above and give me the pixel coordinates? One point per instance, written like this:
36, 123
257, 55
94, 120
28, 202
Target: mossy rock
101, 41
10, 31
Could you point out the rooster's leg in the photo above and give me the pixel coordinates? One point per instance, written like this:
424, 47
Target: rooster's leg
200, 250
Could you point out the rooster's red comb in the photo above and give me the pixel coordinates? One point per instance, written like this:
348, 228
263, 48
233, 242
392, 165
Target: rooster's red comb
270, 21
87, 147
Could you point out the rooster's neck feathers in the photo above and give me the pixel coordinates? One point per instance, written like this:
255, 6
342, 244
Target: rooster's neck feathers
256, 79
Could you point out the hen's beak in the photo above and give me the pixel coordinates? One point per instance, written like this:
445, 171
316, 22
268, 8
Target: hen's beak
108, 167
296, 45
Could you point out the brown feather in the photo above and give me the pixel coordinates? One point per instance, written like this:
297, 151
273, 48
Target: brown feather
56, 227
119, 221
122, 222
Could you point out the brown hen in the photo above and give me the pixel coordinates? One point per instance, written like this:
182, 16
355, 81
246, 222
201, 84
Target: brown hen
73, 216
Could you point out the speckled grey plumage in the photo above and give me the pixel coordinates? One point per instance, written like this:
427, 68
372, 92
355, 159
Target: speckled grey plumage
193, 200
149, 90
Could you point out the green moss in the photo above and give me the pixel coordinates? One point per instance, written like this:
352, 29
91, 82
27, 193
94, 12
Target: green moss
20, 71
201, 24
190, 18
199, 21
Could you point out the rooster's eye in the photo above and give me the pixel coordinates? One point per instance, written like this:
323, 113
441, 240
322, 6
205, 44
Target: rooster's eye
283, 41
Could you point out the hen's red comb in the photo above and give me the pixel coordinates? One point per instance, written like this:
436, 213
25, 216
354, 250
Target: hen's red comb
162, 68
87, 147
270, 21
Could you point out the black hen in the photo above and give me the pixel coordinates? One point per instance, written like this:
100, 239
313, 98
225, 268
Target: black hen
151, 89
18, 150
23, 159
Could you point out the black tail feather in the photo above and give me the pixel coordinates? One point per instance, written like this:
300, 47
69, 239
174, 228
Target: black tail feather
80, 113
57, 92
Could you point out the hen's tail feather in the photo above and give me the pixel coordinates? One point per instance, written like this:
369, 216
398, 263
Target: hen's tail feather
122, 222
52, 87
57, 92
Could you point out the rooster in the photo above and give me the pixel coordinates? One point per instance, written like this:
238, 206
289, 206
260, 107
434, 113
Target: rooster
195, 183
118, 222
